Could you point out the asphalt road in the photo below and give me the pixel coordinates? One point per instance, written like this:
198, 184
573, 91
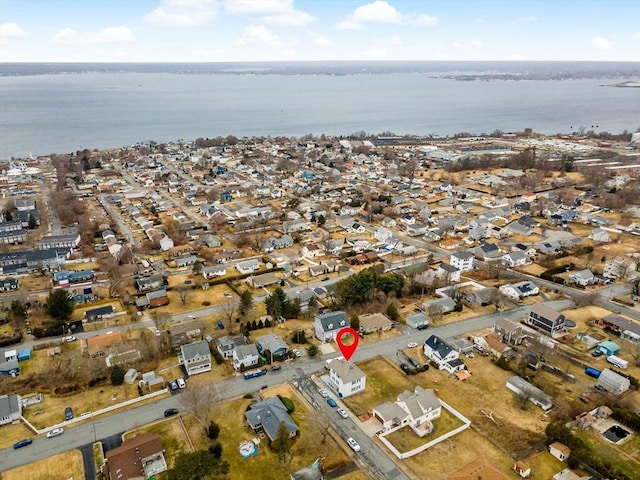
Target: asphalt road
109, 425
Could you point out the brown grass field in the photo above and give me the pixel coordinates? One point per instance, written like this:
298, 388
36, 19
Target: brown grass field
12, 433
59, 467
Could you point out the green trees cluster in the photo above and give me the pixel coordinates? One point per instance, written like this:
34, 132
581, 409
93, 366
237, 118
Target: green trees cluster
198, 465
279, 305
363, 286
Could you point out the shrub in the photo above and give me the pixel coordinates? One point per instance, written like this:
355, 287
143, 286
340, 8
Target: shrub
216, 450
117, 375
213, 431
287, 402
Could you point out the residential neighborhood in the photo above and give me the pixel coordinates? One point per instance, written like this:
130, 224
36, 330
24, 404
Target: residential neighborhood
191, 294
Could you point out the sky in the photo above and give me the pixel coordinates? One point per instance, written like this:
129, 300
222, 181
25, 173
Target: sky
304, 30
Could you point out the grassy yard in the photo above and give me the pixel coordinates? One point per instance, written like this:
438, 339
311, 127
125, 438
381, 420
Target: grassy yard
59, 467
306, 447
405, 439
10, 434
625, 463
384, 382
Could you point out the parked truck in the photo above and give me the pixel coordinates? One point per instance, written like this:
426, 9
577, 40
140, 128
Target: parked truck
258, 372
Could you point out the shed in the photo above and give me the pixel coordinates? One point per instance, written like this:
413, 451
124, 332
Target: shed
24, 354
608, 348
613, 382
130, 376
560, 451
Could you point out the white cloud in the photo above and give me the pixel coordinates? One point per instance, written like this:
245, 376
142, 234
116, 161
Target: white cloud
11, 30
290, 19
527, 19
107, 35
320, 40
257, 35
183, 13
382, 48
467, 45
601, 43
636, 35
380, 11
258, 7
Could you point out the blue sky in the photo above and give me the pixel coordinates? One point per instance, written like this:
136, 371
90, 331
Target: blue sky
275, 30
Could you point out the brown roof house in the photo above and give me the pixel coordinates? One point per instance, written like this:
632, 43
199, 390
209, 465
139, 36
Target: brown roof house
101, 345
183, 333
372, 322
139, 458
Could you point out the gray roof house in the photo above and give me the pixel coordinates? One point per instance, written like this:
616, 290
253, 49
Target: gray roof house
583, 277
10, 408
226, 345
442, 354
328, 325
267, 416
536, 396
273, 343
245, 356
195, 357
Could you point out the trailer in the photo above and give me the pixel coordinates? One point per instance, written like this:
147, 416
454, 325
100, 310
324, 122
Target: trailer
592, 372
617, 361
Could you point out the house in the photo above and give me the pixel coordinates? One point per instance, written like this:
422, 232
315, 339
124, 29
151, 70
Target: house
519, 290
245, 356
491, 342
10, 408
521, 247
520, 386
184, 333
509, 332
98, 313
248, 266
448, 272
312, 250
613, 382
297, 225
441, 305
195, 357
463, 260
487, 252
382, 234
59, 241
267, 415
599, 235
214, 271
416, 229
416, 409
102, 344
312, 472
264, 280
374, 322
9, 284
272, 343
327, 325
583, 277
442, 354
560, 451
144, 284
479, 469
346, 378
546, 319
628, 329
482, 296
417, 320
522, 469
516, 259
226, 344
185, 261
621, 267
138, 458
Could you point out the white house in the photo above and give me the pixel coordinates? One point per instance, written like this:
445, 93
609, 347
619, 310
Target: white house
346, 378
416, 409
448, 272
560, 451
214, 271
329, 324
195, 357
516, 259
10, 408
442, 354
311, 250
583, 277
382, 234
245, 356
519, 290
248, 266
463, 261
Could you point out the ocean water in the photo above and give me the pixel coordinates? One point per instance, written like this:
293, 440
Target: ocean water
61, 113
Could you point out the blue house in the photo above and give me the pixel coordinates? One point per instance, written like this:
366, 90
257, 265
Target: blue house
272, 343
608, 348
226, 196
24, 354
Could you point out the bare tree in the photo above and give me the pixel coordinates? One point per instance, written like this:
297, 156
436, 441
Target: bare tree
160, 320
183, 293
200, 402
229, 311
320, 421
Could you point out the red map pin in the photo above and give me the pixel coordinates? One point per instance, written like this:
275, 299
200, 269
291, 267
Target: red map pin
347, 350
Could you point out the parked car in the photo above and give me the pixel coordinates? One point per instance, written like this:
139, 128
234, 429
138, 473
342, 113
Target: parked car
422, 327
23, 443
323, 393
343, 413
597, 353
275, 368
68, 413
170, 412
296, 352
173, 385
332, 403
404, 367
70, 339
181, 383
355, 446
55, 432
412, 345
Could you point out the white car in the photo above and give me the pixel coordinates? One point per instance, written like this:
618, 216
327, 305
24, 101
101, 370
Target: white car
323, 393
70, 339
343, 413
412, 345
296, 352
355, 446
181, 383
55, 432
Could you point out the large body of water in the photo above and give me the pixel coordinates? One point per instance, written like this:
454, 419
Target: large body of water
61, 113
